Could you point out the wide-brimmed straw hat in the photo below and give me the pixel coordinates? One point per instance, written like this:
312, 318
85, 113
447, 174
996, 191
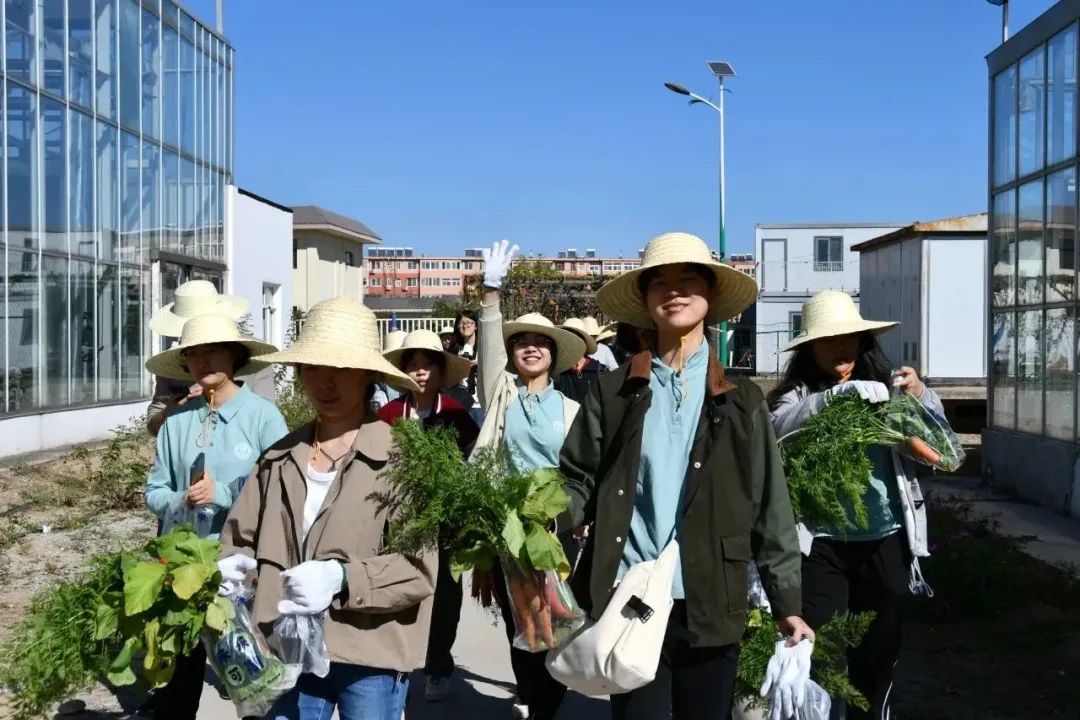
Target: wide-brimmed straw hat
831, 313
393, 340
620, 299
569, 348
607, 332
193, 298
341, 333
457, 368
207, 330
580, 328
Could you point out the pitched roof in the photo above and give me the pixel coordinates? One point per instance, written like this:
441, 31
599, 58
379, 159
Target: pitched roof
312, 217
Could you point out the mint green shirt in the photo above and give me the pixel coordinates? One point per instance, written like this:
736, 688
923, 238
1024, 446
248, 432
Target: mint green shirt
239, 432
535, 428
882, 500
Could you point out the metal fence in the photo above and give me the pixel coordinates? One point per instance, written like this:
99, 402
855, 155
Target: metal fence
410, 324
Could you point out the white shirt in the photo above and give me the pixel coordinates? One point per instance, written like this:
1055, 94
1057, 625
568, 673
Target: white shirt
605, 357
318, 484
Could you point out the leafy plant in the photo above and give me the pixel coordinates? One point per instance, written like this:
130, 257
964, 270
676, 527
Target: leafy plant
117, 480
294, 405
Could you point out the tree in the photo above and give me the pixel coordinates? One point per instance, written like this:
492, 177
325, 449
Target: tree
535, 286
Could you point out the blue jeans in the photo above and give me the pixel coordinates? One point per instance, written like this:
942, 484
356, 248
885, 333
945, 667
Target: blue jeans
358, 693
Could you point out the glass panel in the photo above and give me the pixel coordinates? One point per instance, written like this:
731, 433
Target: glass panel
56, 184
187, 103
108, 331
169, 12
81, 199
23, 170
1061, 70
81, 53
131, 351
53, 43
188, 229
1029, 391
151, 196
171, 239
1032, 112
1003, 249
106, 191
56, 317
171, 93
1004, 371
83, 347
151, 75
187, 25
1061, 235
130, 69
1005, 126
24, 305
130, 200
105, 32
1060, 373
20, 25
1030, 243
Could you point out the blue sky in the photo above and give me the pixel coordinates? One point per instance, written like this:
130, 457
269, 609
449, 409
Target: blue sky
450, 125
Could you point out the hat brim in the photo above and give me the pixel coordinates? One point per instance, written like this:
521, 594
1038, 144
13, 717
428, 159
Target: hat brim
356, 358
877, 328
166, 322
589, 340
457, 367
607, 332
170, 363
569, 348
733, 292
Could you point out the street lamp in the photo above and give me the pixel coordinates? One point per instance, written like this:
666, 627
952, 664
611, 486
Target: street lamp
721, 70
1004, 5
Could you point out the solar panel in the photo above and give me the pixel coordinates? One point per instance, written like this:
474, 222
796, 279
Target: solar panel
721, 69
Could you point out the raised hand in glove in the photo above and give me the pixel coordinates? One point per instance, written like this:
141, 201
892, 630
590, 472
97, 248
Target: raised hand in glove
869, 390
310, 587
497, 262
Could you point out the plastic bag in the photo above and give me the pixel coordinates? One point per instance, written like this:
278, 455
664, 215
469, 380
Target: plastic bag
544, 608
299, 640
910, 418
816, 706
253, 677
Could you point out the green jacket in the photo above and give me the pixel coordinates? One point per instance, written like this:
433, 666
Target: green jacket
737, 506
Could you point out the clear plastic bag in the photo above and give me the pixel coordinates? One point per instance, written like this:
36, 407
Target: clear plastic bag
816, 706
544, 608
252, 676
299, 640
911, 419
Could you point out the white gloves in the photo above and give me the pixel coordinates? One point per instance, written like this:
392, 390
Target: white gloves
869, 390
310, 587
755, 594
235, 567
786, 679
497, 263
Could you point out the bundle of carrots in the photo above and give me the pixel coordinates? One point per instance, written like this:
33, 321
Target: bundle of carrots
544, 609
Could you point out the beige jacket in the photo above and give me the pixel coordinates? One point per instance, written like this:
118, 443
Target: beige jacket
381, 619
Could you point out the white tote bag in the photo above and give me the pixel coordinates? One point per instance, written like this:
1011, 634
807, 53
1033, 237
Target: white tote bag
621, 651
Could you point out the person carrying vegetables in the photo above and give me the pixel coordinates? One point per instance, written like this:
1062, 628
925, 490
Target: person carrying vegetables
855, 568
423, 358
524, 413
225, 428
307, 524
668, 447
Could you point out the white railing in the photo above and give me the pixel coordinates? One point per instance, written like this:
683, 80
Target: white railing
828, 266
410, 324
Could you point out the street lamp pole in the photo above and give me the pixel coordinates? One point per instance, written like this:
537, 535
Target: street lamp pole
1004, 18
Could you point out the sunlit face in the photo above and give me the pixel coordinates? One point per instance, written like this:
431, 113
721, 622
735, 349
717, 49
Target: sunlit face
467, 327
335, 393
210, 365
677, 297
531, 353
835, 356
423, 367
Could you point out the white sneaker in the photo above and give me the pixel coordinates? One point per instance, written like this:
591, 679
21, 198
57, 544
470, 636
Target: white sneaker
437, 689
519, 711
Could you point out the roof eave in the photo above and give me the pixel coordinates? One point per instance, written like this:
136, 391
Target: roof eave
340, 232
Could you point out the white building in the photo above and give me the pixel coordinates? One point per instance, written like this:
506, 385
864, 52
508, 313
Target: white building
796, 261
930, 276
328, 256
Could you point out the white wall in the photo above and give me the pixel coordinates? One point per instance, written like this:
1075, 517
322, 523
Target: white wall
773, 323
327, 267
800, 272
955, 335
44, 431
259, 251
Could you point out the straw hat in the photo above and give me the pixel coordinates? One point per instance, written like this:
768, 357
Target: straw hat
569, 348
457, 368
831, 313
581, 328
393, 340
592, 326
206, 330
341, 333
733, 291
195, 297
607, 332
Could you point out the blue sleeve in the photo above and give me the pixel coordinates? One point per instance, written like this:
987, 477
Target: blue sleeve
161, 494
273, 429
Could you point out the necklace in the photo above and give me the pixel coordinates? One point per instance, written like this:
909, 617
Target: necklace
318, 449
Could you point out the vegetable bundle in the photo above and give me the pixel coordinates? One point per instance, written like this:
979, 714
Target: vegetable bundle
481, 512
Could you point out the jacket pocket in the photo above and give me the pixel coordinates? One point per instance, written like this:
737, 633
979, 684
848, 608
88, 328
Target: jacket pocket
736, 549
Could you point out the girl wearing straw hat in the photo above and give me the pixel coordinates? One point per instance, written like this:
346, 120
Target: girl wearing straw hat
666, 449
434, 370
847, 568
205, 451
524, 413
307, 524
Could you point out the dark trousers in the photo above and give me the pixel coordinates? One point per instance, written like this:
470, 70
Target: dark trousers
692, 683
860, 576
179, 700
445, 615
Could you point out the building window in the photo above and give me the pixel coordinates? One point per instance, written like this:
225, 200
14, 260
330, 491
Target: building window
397, 282
795, 323
376, 265
349, 258
828, 254
389, 283
412, 282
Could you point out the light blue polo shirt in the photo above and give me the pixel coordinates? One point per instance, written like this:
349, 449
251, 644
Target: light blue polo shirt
241, 430
535, 428
666, 443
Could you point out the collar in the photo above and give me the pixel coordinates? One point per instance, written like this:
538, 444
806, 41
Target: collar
373, 441
410, 405
640, 369
541, 396
236, 403
697, 360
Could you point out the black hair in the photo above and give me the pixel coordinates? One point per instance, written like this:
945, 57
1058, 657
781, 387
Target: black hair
436, 357
870, 364
649, 275
459, 339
